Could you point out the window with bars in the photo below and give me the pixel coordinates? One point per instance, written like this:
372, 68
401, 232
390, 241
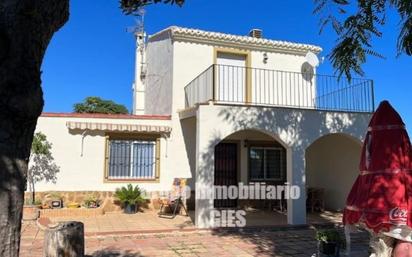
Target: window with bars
267, 163
132, 159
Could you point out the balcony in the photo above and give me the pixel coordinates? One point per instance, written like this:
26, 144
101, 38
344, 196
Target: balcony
223, 84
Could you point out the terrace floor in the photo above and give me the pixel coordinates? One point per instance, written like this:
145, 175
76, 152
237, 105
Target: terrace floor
145, 234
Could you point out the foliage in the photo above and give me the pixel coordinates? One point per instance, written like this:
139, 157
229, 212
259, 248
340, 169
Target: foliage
94, 104
55, 196
129, 195
42, 165
90, 200
132, 7
357, 24
328, 236
30, 202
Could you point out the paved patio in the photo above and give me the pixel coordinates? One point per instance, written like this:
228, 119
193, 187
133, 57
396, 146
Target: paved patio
148, 221
266, 242
119, 223
144, 234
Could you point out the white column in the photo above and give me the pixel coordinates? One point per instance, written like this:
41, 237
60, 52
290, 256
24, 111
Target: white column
204, 174
296, 176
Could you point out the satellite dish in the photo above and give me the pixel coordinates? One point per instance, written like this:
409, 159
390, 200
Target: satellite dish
312, 59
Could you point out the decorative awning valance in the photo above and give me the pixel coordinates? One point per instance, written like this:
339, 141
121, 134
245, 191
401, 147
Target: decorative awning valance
118, 127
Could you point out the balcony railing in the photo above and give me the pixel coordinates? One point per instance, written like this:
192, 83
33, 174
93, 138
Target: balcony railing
252, 86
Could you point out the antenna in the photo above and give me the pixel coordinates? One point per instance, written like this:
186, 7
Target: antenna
140, 34
138, 29
312, 59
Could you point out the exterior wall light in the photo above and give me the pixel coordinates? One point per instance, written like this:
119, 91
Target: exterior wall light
265, 58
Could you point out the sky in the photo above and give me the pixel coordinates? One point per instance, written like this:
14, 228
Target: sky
93, 54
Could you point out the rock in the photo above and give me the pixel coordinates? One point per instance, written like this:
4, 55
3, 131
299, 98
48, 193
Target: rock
66, 239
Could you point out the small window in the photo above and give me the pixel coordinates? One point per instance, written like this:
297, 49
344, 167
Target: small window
132, 159
266, 163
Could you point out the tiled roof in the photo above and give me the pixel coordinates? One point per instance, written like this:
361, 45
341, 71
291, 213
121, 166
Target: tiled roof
217, 38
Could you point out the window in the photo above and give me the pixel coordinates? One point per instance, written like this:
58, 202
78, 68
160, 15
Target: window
132, 159
267, 163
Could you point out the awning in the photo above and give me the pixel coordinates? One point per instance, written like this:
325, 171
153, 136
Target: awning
118, 127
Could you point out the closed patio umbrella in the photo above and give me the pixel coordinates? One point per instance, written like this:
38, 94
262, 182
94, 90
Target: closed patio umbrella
381, 197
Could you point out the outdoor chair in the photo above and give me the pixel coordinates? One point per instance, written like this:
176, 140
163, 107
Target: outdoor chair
174, 202
315, 199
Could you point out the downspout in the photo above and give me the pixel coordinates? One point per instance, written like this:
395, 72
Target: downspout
83, 136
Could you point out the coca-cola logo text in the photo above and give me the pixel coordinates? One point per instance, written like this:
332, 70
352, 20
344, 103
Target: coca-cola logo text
397, 214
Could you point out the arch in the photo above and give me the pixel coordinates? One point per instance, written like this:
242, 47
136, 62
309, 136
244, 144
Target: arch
261, 158
355, 139
274, 136
332, 164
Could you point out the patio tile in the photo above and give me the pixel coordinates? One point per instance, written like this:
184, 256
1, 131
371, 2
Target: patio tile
266, 242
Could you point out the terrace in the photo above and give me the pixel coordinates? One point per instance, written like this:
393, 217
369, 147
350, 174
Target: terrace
235, 85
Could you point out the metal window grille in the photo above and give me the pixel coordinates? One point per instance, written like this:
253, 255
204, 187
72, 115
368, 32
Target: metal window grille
130, 159
267, 163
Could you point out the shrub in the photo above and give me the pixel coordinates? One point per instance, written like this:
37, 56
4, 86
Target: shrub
91, 201
129, 195
328, 236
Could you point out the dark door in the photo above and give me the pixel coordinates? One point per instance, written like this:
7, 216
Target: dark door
225, 171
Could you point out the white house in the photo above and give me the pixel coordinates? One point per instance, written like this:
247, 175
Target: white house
219, 109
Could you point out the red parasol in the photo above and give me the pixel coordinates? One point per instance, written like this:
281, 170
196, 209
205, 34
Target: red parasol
381, 196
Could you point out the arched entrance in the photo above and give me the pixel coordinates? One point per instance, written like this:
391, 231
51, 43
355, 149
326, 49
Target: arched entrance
252, 157
332, 167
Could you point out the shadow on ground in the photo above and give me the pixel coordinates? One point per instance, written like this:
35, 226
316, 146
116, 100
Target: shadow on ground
114, 253
286, 242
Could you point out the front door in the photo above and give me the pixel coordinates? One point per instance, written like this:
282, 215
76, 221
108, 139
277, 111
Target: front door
231, 78
225, 171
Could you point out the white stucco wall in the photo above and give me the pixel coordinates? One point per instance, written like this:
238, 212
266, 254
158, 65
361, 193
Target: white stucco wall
189, 61
159, 76
332, 164
295, 129
84, 173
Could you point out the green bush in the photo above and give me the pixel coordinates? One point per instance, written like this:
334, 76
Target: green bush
328, 236
129, 195
91, 200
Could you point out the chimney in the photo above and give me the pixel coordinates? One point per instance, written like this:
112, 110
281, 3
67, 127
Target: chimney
256, 33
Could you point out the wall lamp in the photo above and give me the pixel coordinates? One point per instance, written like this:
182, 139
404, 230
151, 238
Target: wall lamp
265, 58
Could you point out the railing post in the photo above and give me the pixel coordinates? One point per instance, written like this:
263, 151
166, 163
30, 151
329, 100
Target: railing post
214, 82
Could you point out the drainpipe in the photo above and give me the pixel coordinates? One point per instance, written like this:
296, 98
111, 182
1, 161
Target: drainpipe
83, 136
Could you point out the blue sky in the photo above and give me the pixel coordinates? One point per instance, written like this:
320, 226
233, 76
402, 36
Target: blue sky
93, 55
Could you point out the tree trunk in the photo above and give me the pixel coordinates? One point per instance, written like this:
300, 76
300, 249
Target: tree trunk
65, 240
26, 27
33, 193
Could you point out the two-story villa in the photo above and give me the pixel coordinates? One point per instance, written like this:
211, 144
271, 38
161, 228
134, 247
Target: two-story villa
220, 109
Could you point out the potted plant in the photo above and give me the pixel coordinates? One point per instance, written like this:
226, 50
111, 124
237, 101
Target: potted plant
91, 201
73, 205
130, 197
329, 241
55, 200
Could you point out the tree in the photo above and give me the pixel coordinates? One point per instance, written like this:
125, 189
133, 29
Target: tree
94, 104
43, 166
357, 24
133, 6
26, 28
